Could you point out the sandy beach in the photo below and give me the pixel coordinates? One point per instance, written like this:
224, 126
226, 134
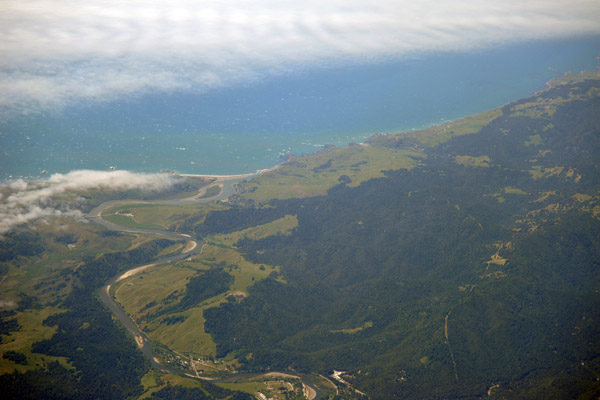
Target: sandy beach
219, 177
133, 271
230, 177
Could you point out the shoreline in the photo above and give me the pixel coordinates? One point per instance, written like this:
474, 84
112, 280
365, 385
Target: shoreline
232, 176
366, 136
217, 177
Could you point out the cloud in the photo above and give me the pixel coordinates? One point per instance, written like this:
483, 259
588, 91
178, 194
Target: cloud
55, 52
23, 202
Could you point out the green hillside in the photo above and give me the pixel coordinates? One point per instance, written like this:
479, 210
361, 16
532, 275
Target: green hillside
460, 261
475, 271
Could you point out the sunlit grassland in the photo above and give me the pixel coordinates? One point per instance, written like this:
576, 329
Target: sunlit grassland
32, 331
534, 140
468, 161
324, 384
588, 203
142, 216
174, 248
544, 107
87, 241
211, 191
244, 272
313, 175
500, 197
178, 380
582, 197
367, 324
150, 380
47, 278
512, 190
579, 201
189, 336
146, 293
140, 238
540, 108
250, 386
129, 222
154, 381
437, 134
153, 285
574, 78
280, 226
271, 385
156, 216
151, 383
544, 196
538, 171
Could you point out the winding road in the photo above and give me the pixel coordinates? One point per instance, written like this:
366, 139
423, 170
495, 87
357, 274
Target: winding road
192, 247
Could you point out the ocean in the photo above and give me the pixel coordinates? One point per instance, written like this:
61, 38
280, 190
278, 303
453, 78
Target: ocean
252, 126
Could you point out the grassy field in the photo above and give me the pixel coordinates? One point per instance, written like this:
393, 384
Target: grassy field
32, 330
574, 78
545, 107
154, 286
468, 161
272, 385
244, 272
248, 387
544, 196
47, 278
175, 248
154, 380
512, 190
538, 172
463, 126
313, 175
534, 140
281, 226
350, 331
151, 285
156, 216
145, 294
437, 134
211, 191
129, 222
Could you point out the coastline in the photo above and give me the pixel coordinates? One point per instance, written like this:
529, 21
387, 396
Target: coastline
216, 145
232, 176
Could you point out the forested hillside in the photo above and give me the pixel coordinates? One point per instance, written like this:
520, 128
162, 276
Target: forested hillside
460, 261
476, 272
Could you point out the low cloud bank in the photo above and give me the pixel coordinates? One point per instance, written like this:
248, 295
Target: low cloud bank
56, 52
23, 202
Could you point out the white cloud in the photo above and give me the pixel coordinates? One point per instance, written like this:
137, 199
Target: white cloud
53, 52
22, 202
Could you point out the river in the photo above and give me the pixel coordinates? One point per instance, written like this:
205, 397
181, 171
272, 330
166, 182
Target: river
227, 189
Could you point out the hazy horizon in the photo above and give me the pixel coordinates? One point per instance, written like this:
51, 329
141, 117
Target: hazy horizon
59, 53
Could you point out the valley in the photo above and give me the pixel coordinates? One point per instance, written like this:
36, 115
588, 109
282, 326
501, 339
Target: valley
457, 261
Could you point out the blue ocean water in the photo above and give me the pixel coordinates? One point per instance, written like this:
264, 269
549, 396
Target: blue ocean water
245, 128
